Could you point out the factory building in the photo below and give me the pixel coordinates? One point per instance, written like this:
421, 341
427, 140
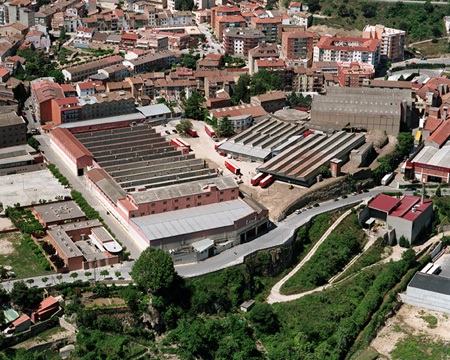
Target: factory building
406, 217
257, 142
360, 109
299, 159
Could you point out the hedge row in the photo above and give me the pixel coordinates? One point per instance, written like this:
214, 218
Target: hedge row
38, 251
419, 66
54, 170
91, 213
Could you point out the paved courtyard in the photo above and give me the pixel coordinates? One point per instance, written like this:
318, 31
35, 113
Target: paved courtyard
28, 187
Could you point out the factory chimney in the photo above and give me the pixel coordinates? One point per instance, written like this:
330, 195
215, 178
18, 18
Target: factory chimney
423, 192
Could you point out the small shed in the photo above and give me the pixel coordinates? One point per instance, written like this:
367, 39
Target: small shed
66, 351
246, 306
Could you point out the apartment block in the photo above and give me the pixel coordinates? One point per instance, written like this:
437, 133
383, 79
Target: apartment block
238, 41
224, 22
361, 50
65, 110
228, 10
262, 51
298, 45
21, 11
82, 72
13, 130
353, 74
307, 80
392, 41
270, 27
107, 104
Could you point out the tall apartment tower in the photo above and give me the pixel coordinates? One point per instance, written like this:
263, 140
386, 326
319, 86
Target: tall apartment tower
392, 41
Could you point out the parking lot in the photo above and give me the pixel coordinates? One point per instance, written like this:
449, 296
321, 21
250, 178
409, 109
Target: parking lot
30, 187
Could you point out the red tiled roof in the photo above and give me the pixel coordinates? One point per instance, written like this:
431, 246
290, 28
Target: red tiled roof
3, 72
86, 85
230, 18
295, 4
68, 100
299, 34
267, 20
213, 57
432, 123
130, 36
327, 42
67, 87
21, 320
269, 63
45, 304
441, 134
384, 203
71, 144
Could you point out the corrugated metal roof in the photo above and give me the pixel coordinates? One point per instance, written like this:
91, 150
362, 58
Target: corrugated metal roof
438, 284
192, 220
152, 110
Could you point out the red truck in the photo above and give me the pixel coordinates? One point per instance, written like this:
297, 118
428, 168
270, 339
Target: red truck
180, 143
192, 132
269, 179
233, 168
256, 179
209, 130
216, 146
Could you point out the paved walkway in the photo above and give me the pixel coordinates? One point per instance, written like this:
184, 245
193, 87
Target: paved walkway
275, 295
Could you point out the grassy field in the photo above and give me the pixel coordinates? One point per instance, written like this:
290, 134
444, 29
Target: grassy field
420, 348
15, 252
430, 49
371, 256
332, 255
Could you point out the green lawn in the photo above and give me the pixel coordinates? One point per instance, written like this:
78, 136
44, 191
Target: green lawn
333, 254
23, 261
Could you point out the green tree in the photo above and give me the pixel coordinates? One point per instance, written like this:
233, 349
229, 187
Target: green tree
183, 126
403, 242
313, 5
438, 191
1, 207
264, 319
62, 35
241, 92
325, 172
153, 270
409, 256
87, 274
59, 277
33, 143
44, 279
369, 9
25, 297
2, 318
74, 275
104, 273
225, 127
30, 281
118, 274
192, 106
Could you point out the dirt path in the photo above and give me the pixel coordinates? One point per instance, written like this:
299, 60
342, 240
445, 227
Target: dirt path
276, 296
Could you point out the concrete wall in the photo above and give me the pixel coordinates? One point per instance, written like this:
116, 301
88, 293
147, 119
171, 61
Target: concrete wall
22, 169
426, 299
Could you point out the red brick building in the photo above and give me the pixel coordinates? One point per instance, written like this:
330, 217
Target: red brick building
352, 74
65, 110
298, 45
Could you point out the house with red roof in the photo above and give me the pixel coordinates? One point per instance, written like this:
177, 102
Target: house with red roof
406, 216
65, 110
23, 323
4, 75
295, 7
45, 309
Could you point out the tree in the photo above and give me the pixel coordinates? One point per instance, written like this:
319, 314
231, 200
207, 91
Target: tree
184, 126
25, 297
225, 128
241, 92
403, 242
438, 191
2, 318
118, 274
33, 143
192, 106
4, 296
1, 207
104, 273
30, 281
44, 279
87, 274
153, 270
74, 275
369, 9
313, 5
409, 256
59, 277
264, 319
325, 172
62, 35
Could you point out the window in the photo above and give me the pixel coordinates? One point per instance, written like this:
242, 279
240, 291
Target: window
153, 211
232, 198
164, 202
220, 200
188, 198
199, 196
176, 207
207, 195
164, 210
153, 204
188, 205
176, 200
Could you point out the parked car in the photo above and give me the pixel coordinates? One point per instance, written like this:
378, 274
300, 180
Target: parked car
316, 205
167, 132
336, 199
298, 211
174, 131
223, 153
344, 197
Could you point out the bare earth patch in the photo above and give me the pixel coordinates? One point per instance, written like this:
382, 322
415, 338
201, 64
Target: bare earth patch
411, 320
6, 247
5, 223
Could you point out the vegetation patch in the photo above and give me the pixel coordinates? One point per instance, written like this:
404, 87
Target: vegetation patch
430, 320
420, 347
373, 255
33, 265
332, 255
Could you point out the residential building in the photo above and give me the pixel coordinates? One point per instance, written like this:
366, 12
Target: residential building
211, 62
115, 72
262, 51
13, 130
303, 19
204, 15
52, 214
45, 309
107, 104
171, 89
364, 51
219, 11
21, 11
299, 46
271, 101
149, 62
238, 41
295, 7
242, 116
84, 89
65, 110
307, 80
392, 41
41, 94
224, 22
353, 74
270, 27
82, 72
